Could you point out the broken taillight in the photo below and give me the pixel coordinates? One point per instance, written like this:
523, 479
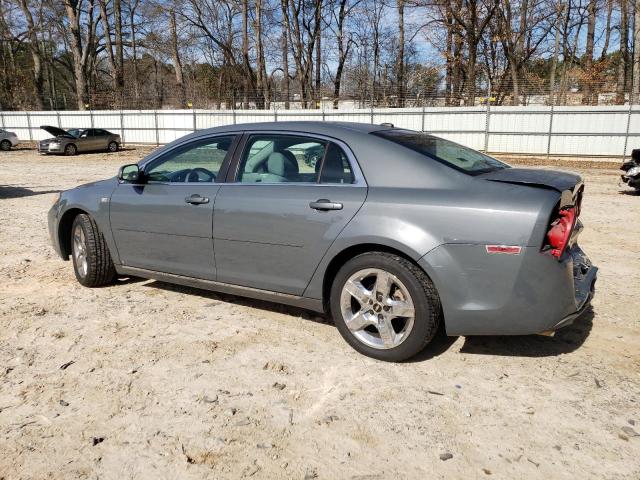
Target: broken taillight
560, 230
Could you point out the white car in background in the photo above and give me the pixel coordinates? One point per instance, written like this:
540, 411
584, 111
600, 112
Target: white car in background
8, 140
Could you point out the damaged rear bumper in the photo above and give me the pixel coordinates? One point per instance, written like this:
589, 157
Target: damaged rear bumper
522, 294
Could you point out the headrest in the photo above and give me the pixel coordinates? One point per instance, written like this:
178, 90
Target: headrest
281, 164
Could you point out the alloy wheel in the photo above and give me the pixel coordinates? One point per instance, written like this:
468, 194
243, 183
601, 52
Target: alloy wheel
80, 251
377, 308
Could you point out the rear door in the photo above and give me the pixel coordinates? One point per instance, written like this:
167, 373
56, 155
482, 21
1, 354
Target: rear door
85, 141
165, 224
100, 139
279, 215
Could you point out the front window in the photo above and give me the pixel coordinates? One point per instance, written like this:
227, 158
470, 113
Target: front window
199, 161
444, 151
74, 132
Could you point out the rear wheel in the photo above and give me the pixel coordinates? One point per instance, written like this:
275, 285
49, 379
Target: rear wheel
70, 149
5, 145
385, 306
112, 147
92, 262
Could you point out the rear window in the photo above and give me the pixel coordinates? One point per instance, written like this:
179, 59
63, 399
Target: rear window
449, 153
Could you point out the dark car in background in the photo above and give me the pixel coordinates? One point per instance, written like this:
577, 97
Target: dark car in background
76, 140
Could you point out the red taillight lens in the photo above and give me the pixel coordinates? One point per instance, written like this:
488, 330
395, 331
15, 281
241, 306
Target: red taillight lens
560, 231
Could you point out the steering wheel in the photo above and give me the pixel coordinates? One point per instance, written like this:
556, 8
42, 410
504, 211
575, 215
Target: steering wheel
194, 172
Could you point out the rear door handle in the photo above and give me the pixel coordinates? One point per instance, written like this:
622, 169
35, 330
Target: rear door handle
325, 204
196, 199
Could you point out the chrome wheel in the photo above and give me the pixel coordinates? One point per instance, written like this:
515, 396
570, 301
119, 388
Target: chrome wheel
377, 308
113, 147
80, 251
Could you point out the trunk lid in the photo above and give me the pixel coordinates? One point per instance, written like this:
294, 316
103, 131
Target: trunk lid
559, 181
569, 185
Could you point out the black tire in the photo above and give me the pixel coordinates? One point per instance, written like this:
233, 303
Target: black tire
5, 145
70, 149
112, 147
100, 269
426, 303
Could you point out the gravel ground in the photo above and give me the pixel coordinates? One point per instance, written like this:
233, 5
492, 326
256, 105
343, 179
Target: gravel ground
148, 380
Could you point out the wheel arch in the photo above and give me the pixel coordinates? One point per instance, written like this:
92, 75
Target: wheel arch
352, 251
64, 229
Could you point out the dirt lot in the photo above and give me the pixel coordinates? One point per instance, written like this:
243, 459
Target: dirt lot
147, 380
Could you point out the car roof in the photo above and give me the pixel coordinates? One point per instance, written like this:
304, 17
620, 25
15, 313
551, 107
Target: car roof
323, 128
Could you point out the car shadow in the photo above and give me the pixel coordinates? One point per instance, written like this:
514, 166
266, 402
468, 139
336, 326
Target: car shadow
12, 191
565, 340
244, 302
633, 192
22, 148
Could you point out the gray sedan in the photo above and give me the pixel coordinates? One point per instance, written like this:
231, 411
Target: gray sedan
392, 232
75, 140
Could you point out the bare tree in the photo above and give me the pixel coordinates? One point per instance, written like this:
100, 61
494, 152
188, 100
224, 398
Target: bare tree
624, 52
82, 36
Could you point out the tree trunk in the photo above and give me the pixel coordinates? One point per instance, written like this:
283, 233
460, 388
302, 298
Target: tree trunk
624, 55
72, 9
134, 53
117, 15
318, 72
245, 53
636, 53
262, 90
607, 31
556, 52
108, 46
448, 54
175, 57
285, 69
342, 53
587, 98
400, 60
34, 48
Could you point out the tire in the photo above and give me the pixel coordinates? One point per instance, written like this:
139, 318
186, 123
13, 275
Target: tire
94, 268
409, 290
70, 150
5, 145
112, 147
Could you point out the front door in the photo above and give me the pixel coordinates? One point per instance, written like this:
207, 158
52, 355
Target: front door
165, 223
292, 197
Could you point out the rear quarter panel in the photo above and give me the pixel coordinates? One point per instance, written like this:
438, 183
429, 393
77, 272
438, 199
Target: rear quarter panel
416, 221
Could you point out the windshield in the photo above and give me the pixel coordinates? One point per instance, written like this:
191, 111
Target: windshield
74, 132
452, 154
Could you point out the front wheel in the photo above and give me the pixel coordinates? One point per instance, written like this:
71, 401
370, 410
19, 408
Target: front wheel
385, 306
70, 149
112, 147
92, 262
5, 145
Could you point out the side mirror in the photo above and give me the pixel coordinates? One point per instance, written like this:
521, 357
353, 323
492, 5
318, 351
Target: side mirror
130, 173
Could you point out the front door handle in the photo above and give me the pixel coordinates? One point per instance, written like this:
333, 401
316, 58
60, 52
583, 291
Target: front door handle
196, 199
324, 204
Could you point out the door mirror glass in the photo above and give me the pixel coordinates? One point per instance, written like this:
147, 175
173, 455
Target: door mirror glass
129, 173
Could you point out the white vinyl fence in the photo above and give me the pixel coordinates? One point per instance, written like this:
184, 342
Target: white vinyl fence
539, 130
